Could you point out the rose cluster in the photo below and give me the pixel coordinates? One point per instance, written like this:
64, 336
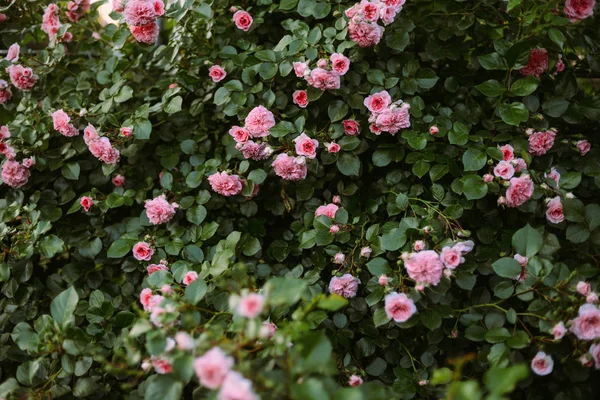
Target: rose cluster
363, 27
141, 16
100, 146
62, 124
385, 115
76, 9
22, 78
326, 75
14, 174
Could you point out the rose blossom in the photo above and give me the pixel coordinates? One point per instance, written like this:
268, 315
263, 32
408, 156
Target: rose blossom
236, 387
184, 341
76, 9
508, 153
579, 9
554, 213
86, 202
61, 120
345, 285
3, 17
583, 288
393, 119
267, 330
378, 102
333, 147
118, 5
504, 170
383, 280
487, 178
451, 257
118, 180
328, 210
521, 260
519, 191
259, 121
145, 296
162, 366
305, 146
300, 98
290, 168
355, 381
142, 251
541, 142
538, 63
152, 268
300, 68
587, 324
143, 12
351, 127
334, 229
339, 258
217, 73
584, 147
591, 298
239, 134
250, 305
145, 33
365, 34
366, 252
399, 307
336, 199
322, 63
22, 78
189, 277
5, 93
339, 63
322, 79
212, 367
159, 210
434, 130
50, 21
519, 164
13, 52
9, 152
242, 20
559, 331
102, 149
554, 175
542, 364
14, 174
225, 184
166, 290
424, 267
28, 162
254, 151
419, 245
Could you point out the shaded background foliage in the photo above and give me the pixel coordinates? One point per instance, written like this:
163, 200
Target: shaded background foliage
455, 62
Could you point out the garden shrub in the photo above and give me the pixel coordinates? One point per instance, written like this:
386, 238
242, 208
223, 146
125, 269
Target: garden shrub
300, 199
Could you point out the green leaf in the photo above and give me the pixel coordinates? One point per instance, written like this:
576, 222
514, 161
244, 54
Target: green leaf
163, 387
332, 303
70, 170
426, 78
119, 248
507, 267
174, 105
196, 214
50, 245
379, 266
125, 94
497, 335
555, 107
577, 233
420, 168
474, 160
195, 291
503, 380
63, 306
557, 37
281, 129
493, 61
285, 291
527, 241
525, 86
337, 110
514, 113
491, 88
348, 164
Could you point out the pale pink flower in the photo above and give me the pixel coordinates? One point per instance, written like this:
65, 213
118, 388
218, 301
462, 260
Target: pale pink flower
366, 252
542, 364
559, 331
251, 305
145, 33
378, 102
334, 229
447, 273
591, 298
189, 277
5, 93
159, 210
90, 134
126, 131
339, 258
587, 324
142, 251
451, 257
184, 341
577, 10
118, 180
336, 199
152, 268
305, 146
554, 213
102, 149
217, 73
504, 170
322, 79
554, 175
28, 162
322, 63
333, 147
225, 184
487, 178
394, 119
290, 168
254, 151
239, 134
519, 164
86, 202
300, 68
259, 121
434, 130
521, 260
267, 330
142, 12
351, 127
508, 153
383, 280
22, 78
584, 147
166, 290
13, 52
14, 174
118, 5
76, 9
4, 132
355, 381
419, 245
145, 297
212, 368
541, 142
595, 353
8, 151
345, 285
300, 98
236, 387
519, 191
537, 64
365, 34
61, 120
162, 366
424, 267
339, 63
399, 307
328, 210
242, 20
50, 21
583, 288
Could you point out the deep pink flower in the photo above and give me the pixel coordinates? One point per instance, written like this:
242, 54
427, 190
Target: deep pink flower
434, 130
328, 210
162, 366
399, 307
345, 285
305, 146
542, 364
3, 17
86, 202
118, 180
290, 168
355, 381
250, 305
13, 52
378, 102
5, 93
239, 134
508, 153
142, 251
424, 267
189, 277
584, 147
259, 121
333, 147
50, 21
236, 387
145, 33
212, 368
538, 63
225, 184
504, 170
577, 10
554, 213
145, 297
519, 191
242, 20
451, 257
159, 210
126, 131
365, 34
14, 174
217, 73
300, 98
339, 63
351, 127
141, 12
152, 268
541, 142
22, 78
587, 324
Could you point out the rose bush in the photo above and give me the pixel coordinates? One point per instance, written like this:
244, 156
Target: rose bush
299, 199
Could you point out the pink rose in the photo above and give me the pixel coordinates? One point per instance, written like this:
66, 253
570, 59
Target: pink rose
336, 199
345, 285
145, 33
554, 213
118, 180
365, 34
487, 178
184, 341
591, 298
242, 20
159, 210
583, 288
420, 245
434, 130
145, 297
259, 121
142, 251
189, 277
4, 132
162, 366
333, 147
13, 52
212, 367
118, 5
595, 353
424, 267
305, 146
142, 12
3, 17
250, 305
5, 93
451, 257
126, 131
366, 252
166, 290
521, 260
538, 63
300, 98
519, 191
559, 331
399, 307
267, 330
225, 184
50, 21
328, 210
584, 147
14, 174
355, 381
322, 63
239, 134
508, 153
554, 175
90, 134
542, 364
102, 149
351, 127
236, 387
77, 9
339, 63
216, 73
504, 170
322, 79
254, 151
577, 10
519, 164
28, 162
378, 102
290, 168
61, 120
383, 280
587, 324
394, 119
86, 202
22, 78
152, 268
334, 229
541, 142
300, 68
339, 258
